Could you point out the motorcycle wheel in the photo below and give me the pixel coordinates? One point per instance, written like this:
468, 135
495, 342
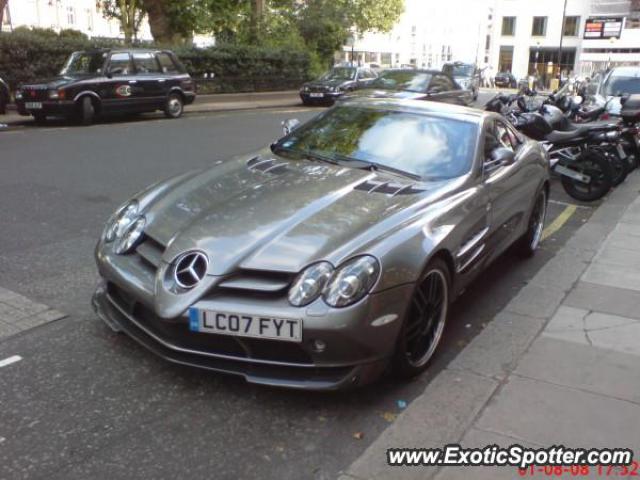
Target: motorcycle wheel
597, 167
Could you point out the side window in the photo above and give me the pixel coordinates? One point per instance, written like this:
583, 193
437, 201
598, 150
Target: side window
120, 64
146, 63
505, 136
166, 63
491, 142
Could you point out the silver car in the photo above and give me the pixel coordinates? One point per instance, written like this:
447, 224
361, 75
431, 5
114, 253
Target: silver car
334, 254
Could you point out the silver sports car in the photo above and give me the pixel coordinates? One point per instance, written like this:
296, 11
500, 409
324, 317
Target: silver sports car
329, 257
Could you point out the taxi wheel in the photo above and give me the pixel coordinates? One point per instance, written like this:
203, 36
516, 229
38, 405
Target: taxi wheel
87, 111
40, 118
174, 106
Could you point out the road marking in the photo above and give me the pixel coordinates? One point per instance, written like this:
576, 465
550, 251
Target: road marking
560, 220
566, 204
10, 360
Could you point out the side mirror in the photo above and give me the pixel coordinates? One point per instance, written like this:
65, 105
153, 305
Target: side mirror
289, 125
500, 157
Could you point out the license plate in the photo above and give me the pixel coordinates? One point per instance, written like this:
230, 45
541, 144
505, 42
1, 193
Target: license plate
242, 325
316, 95
33, 105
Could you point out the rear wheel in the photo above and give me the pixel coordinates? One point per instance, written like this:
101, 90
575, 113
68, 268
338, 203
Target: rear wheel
424, 322
597, 167
174, 106
87, 111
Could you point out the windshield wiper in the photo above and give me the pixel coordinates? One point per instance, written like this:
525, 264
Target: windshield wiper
373, 166
304, 153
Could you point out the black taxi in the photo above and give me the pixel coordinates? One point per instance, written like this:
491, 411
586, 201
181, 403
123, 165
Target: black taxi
104, 81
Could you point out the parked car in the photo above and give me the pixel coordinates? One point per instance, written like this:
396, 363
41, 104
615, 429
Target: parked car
105, 81
320, 261
466, 75
608, 87
5, 96
506, 80
416, 85
336, 83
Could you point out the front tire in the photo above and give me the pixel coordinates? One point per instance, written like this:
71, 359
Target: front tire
530, 241
425, 320
87, 111
174, 106
597, 167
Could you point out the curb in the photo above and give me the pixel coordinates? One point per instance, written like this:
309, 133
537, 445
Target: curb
457, 396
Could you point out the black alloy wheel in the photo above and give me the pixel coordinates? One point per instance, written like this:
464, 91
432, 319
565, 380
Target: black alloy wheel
424, 322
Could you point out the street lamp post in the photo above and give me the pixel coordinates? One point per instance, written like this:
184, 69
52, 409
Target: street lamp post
564, 13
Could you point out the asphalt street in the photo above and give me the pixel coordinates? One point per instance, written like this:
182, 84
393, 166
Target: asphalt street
86, 403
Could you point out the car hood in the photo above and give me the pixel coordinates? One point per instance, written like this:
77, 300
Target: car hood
381, 93
328, 83
280, 215
52, 82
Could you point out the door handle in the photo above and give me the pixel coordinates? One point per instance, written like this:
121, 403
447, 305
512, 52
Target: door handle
162, 80
133, 81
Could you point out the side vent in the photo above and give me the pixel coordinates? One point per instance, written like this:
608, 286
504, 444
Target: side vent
267, 165
388, 188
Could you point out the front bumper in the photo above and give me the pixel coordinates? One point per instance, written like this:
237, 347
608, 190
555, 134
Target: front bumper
54, 108
327, 97
357, 352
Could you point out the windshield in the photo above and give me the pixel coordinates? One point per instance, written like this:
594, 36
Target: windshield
622, 85
83, 63
403, 80
429, 146
340, 74
461, 70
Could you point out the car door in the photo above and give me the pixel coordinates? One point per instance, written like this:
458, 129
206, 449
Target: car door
119, 92
169, 73
148, 81
507, 185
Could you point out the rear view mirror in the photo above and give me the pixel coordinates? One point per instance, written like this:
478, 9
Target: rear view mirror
500, 157
289, 125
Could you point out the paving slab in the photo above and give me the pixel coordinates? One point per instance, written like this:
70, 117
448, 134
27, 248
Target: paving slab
549, 414
536, 301
605, 299
440, 416
495, 351
618, 276
585, 367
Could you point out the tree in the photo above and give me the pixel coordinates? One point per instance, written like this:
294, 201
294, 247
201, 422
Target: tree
128, 12
175, 21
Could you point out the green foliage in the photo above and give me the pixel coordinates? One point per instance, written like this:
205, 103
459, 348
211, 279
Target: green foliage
27, 55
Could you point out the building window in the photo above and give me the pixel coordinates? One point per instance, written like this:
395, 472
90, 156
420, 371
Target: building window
71, 16
508, 26
571, 25
539, 26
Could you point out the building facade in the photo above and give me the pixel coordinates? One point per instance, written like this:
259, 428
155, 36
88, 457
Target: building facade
428, 34
83, 15
531, 37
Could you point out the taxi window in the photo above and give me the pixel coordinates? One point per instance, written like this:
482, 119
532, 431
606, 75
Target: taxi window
120, 64
146, 63
166, 63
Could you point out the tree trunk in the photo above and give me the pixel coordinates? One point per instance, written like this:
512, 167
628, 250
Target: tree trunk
159, 22
257, 10
3, 3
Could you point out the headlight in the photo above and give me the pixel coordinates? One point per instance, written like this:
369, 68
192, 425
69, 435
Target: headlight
120, 221
305, 88
131, 236
352, 281
53, 94
19, 95
310, 284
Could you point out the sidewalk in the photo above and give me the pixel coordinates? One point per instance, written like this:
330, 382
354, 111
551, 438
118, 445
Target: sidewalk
213, 103
560, 365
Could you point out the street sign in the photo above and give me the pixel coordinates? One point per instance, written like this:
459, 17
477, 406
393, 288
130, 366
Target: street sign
597, 28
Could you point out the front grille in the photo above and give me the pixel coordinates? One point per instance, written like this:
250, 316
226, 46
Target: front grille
177, 333
150, 250
318, 89
257, 281
35, 94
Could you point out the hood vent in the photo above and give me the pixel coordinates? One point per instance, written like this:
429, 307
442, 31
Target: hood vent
388, 188
267, 165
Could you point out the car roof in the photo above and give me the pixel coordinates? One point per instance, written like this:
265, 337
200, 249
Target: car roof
414, 70
123, 50
419, 107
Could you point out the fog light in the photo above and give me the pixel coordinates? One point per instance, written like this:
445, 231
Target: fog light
318, 345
